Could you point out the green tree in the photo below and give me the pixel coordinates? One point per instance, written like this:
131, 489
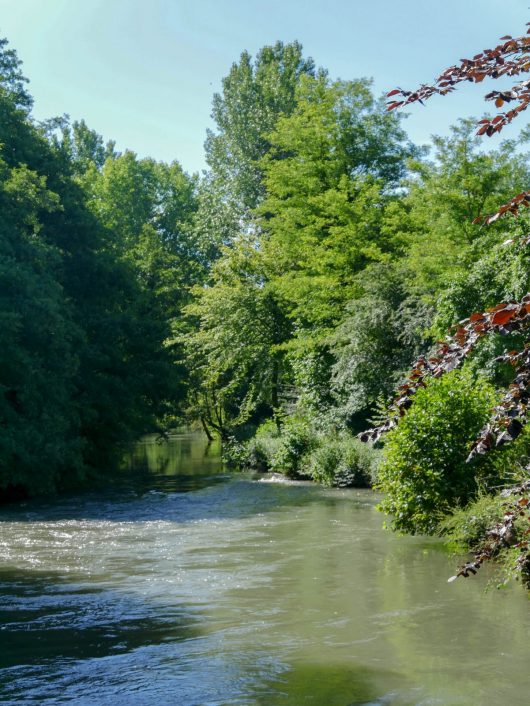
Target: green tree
82, 360
235, 353
255, 93
12, 80
38, 417
382, 333
446, 195
328, 174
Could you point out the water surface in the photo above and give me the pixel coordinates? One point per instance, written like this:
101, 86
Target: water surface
183, 584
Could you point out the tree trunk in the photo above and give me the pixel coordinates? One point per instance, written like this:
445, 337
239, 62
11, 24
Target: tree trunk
206, 430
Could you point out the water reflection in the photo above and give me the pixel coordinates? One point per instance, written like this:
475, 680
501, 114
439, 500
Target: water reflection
187, 459
346, 685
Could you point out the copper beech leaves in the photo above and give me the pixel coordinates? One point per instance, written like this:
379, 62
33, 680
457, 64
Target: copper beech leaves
510, 415
512, 206
509, 59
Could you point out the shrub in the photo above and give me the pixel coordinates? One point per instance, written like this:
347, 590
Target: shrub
343, 462
468, 526
300, 451
271, 450
325, 461
424, 471
261, 452
295, 444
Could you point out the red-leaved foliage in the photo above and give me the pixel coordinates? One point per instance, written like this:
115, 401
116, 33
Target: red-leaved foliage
511, 58
504, 534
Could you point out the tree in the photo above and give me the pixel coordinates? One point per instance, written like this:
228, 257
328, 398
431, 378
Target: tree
38, 362
254, 95
235, 354
83, 363
446, 195
12, 79
382, 332
236, 367
328, 176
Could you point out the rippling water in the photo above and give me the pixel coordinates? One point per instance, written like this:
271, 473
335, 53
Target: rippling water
185, 585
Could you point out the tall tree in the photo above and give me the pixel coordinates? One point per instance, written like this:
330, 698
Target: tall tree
329, 174
235, 354
255, 93
81, 360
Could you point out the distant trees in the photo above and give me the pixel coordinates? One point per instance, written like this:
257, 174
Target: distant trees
320, 207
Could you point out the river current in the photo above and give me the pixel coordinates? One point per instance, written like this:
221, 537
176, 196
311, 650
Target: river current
185, 585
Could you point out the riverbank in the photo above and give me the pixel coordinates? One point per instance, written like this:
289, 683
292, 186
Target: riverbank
333, 459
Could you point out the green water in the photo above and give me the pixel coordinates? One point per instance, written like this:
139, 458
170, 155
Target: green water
185, 585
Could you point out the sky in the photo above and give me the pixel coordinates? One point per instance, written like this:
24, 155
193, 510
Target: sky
143, 72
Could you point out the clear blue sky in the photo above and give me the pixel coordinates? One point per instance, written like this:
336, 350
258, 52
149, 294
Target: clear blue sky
143, 72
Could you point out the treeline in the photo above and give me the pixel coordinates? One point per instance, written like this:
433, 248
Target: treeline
276, 300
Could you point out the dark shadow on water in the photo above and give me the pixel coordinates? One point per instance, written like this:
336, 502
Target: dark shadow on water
151, 497
44, 618
331, 685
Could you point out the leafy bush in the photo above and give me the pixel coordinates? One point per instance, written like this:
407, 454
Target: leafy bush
261, 452
424, 472
270, 450
298, 450
294, 445
325, 461
343, 462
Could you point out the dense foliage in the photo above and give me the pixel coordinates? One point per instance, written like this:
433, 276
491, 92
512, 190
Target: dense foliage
86, 312
504, 319
424, 473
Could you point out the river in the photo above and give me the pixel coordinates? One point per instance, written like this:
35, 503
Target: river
185, 585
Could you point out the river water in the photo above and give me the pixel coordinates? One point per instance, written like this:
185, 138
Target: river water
184, 585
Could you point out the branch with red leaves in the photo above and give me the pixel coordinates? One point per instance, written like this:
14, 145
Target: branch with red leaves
512, 206
511, 58
508, 59
509, 417
504, 534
